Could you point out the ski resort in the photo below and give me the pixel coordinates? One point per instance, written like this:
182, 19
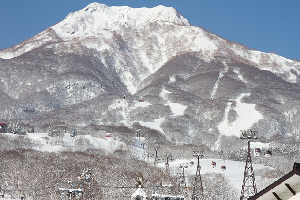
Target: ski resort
120, 102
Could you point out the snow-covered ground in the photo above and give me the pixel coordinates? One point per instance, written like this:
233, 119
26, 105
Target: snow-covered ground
176, 108
246, 117
124, 109
42, 142
234, 169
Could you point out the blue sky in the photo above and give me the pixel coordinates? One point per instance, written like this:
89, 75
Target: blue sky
266, 25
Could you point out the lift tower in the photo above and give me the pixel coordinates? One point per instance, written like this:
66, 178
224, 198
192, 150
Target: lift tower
248, 187
169, 156
198, 188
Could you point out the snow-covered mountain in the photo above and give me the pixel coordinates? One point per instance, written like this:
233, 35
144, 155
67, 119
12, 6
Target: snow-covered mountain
149, 35
108, 86
193, 86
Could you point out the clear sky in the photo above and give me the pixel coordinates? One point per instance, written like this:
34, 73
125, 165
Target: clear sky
265, 25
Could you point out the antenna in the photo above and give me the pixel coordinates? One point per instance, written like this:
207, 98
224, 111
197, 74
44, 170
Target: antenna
248, 187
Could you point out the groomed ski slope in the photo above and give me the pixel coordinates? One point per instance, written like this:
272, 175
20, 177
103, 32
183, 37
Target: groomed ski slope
234, 170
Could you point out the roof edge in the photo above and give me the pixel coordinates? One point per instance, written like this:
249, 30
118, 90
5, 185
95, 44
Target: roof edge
296, 170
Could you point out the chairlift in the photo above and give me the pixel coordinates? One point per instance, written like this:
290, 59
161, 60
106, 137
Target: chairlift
192, 163
268, 153
213, 164
257, 152
223, 168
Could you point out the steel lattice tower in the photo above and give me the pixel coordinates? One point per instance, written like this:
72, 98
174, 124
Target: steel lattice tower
198, 188
182, 183
167, 164
248, 187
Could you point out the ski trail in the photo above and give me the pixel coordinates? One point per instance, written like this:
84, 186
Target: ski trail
247, 115
221, 74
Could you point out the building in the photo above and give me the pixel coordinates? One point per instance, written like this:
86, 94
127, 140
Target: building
285, 188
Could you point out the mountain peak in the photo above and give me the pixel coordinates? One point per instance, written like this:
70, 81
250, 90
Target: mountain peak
95, 7
96, 17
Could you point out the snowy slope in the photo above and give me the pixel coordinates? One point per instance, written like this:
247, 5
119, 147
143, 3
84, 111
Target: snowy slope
234, 170
96, 17
247, 116
141, 40
42, 142
132, 44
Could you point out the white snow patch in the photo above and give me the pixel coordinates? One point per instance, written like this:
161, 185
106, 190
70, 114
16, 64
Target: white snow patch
246, 117
45, 143
172, 79
259, 145
221, 74
127, 79
176, 108
118, 103
154, 125
141, 104
240, 76
139, 192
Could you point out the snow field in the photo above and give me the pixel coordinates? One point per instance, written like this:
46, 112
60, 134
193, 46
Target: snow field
234, 170
124, 109
42, 142
246, 117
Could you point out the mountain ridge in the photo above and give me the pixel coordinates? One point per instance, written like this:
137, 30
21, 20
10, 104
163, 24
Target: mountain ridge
197, 69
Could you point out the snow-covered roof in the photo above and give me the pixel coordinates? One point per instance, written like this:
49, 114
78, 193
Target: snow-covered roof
139, 192
282, 185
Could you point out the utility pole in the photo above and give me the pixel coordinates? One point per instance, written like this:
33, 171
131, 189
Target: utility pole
198, 188
248, 187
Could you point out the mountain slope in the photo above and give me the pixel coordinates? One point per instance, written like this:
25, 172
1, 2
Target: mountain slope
82, 66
